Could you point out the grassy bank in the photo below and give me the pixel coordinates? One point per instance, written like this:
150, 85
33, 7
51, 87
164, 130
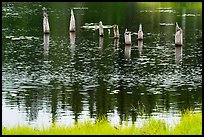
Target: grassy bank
190, 124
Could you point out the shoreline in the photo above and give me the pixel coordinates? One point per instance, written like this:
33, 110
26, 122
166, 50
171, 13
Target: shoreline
190, 124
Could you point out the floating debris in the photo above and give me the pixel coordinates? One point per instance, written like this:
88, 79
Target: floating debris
29, 87
189, 15
80, 8
129, 92
89, 24
28, 38
21, 38
108, 26
9, 37
14, 39
134, 33
92, 26
95, 26
12, 14
169, 11
13, 95
162, 8
146, 11
36, 38
114, 92
166, 24
6, 9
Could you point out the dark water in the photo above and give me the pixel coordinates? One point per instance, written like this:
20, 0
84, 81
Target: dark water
63, 79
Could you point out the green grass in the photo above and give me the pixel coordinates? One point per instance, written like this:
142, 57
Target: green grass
190, 124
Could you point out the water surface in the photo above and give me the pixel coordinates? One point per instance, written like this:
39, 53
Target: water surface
68, 77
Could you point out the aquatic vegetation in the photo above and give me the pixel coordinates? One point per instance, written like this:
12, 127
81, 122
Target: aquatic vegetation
190, 124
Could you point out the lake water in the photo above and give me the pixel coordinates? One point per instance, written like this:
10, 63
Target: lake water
63, 78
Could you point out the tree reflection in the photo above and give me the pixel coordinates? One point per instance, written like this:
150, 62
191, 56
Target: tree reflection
122, 102
32, 104
136, 107
76, 100
101, 99
91, 100
54, 101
